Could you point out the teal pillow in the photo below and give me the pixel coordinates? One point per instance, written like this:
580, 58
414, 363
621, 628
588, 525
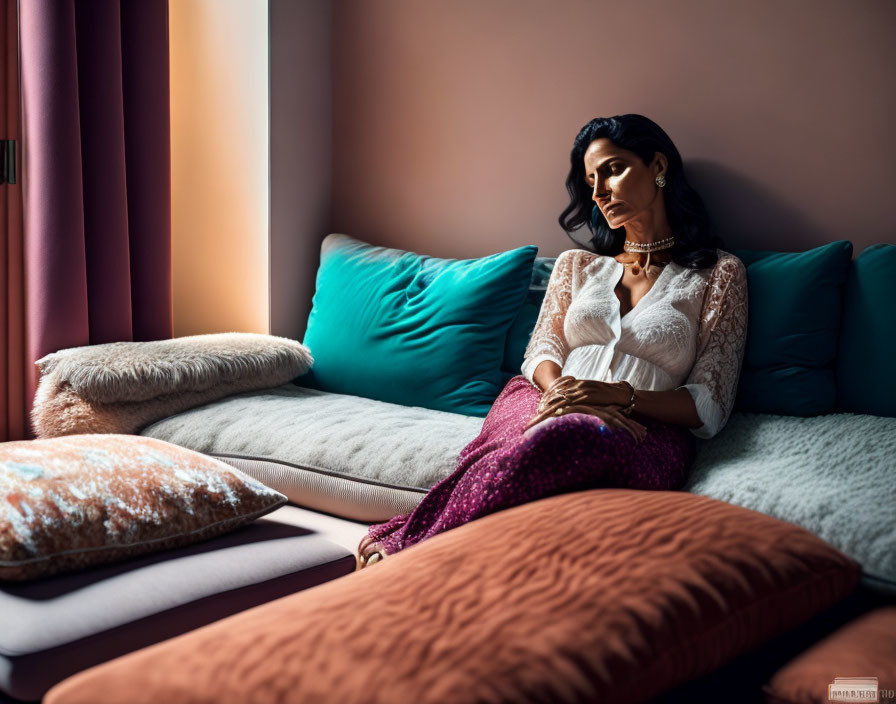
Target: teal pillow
868, 335
794, 319
526, 317
410, 329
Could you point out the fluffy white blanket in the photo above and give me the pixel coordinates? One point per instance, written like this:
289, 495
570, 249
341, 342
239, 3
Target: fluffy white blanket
834, 475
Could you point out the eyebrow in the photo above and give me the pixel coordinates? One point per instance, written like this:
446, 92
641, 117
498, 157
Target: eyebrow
603, 163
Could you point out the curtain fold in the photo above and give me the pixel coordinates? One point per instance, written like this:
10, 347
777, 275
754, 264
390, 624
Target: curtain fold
13, 405
144, 32
97, 200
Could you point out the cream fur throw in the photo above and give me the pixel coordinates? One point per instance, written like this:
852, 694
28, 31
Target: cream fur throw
122, 386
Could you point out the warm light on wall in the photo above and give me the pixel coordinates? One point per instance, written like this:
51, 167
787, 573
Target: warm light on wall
219, 165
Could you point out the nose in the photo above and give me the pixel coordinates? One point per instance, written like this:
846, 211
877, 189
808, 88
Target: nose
599, 192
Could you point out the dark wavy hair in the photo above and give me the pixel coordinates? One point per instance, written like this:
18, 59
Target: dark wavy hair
695, 237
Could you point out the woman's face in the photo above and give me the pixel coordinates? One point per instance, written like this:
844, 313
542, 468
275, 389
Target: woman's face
624, 187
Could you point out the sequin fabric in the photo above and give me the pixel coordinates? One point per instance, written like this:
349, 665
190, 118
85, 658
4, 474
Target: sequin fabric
506, 465
82, 500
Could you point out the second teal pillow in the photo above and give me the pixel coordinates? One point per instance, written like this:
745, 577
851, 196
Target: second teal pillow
410, 329
794, 319
868, 337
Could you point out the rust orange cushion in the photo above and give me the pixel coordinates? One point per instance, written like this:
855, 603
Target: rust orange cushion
604, 595
865, 647
72, 502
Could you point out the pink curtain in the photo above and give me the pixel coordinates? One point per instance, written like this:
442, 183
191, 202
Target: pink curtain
12, 313
97, 173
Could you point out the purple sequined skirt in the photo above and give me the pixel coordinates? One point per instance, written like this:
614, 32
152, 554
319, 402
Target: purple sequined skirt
506, 466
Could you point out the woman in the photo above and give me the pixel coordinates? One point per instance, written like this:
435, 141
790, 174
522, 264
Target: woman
637, 347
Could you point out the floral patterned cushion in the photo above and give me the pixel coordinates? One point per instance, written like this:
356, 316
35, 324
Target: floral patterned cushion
69, 503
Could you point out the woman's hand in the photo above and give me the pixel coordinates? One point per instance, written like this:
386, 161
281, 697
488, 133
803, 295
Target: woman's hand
604, 399
612, 417
571, 390
557, 390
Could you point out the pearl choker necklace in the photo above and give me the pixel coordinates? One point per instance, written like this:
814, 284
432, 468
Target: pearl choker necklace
639, 248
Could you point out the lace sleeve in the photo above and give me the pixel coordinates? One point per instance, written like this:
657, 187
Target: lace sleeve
720, 345
548, 340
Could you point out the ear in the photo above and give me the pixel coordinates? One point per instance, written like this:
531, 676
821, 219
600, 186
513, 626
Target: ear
660, 163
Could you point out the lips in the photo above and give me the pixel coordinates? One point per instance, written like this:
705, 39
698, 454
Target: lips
612, 207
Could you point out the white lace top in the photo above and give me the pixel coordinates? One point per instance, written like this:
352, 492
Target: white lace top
688, 331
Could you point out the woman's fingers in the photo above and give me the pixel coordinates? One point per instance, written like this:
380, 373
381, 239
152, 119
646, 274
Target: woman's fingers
606, 415
566, 394
555, 390
561, 382
560, 392
549, 400
554, 407
540, 416
551, 404
638, 431
546, 413
595, 392
611, 417
620, 419
601, 393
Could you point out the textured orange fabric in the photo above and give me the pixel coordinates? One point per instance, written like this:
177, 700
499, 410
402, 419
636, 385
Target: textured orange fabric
865, 647
604, 595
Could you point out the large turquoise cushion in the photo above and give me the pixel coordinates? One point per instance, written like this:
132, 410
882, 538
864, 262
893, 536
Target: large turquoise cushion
795, 301
410, 329
865, 379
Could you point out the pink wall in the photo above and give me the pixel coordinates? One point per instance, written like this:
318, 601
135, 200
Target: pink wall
300, 156
453, 121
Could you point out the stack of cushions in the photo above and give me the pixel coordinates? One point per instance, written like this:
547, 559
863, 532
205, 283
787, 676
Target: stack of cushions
121, 387
411, 329
69, 503
605, 595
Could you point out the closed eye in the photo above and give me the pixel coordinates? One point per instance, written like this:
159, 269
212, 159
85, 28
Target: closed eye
613, 169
